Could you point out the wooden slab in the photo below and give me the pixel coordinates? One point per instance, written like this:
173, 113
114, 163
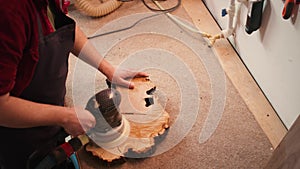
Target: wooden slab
146, 122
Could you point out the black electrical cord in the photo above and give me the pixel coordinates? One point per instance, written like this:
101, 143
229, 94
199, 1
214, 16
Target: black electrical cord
126, 28
162, 10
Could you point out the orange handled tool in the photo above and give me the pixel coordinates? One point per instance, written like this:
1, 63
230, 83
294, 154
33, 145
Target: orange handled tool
288, 8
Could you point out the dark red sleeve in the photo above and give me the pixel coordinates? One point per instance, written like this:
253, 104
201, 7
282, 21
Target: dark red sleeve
12, 42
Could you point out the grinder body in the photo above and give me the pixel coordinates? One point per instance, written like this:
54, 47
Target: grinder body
104, 106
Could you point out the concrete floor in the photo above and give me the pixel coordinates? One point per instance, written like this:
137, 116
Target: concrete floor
237, 141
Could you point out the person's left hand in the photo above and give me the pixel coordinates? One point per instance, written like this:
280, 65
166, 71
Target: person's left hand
122, 77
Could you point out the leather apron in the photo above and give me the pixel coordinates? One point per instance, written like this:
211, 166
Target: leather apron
47, 86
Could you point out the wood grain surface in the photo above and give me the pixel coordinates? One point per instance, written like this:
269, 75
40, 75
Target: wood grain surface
146, 122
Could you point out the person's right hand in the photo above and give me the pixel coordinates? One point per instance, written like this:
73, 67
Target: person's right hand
78, 121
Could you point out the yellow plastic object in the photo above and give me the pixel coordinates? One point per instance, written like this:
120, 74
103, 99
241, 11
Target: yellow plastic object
84, 139
97, 8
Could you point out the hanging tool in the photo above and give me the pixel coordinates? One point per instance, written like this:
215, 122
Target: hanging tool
253, 22
254, 16
288, 8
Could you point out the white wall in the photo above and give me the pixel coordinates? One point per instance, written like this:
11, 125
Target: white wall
272, 54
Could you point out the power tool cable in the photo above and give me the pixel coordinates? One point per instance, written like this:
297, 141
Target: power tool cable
126, 28
160, 11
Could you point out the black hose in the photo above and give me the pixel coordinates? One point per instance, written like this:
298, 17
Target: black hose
162, 10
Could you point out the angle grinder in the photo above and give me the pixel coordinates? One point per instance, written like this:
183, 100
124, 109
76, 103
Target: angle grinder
110, 131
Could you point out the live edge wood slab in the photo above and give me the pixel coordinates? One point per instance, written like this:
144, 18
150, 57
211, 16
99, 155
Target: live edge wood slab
147, 119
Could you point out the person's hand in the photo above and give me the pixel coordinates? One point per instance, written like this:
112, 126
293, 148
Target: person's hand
119, 76
78, 121
122, 77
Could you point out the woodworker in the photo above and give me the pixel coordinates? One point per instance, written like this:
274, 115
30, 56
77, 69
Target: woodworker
36, 38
